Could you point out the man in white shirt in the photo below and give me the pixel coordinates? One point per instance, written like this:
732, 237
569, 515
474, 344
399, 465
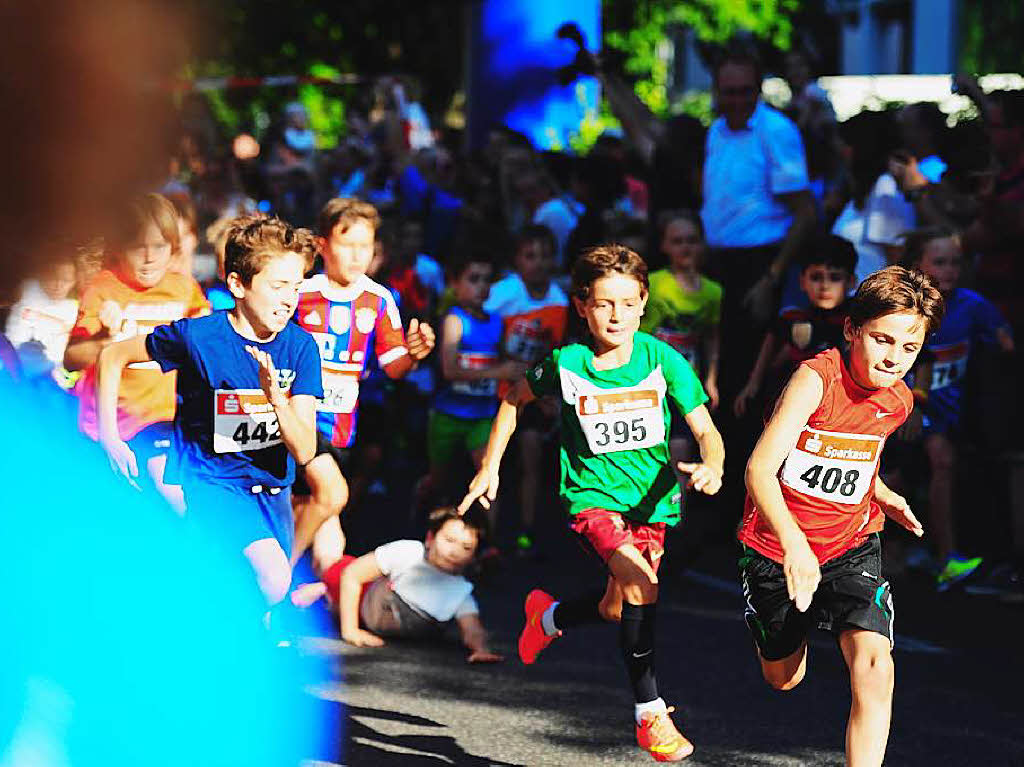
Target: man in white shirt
412, 589
757, 210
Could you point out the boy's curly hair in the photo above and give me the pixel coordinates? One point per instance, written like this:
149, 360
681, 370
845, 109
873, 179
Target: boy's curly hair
603, 260
250, 243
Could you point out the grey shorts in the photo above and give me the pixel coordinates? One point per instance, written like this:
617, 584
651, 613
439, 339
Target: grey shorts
383, 612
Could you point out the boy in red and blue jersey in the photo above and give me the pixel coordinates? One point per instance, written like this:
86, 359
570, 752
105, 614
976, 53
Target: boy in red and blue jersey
351, 317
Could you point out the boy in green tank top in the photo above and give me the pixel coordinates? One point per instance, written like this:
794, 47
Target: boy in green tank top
617, 480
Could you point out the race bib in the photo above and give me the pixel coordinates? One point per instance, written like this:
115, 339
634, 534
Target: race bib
243, 419
482, 387
950, 365
527, 341
341, 392
621, 419
682, 341
832, 466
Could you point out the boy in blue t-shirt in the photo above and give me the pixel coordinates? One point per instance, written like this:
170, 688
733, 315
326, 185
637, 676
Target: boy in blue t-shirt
460, 415
970, 319
248, 381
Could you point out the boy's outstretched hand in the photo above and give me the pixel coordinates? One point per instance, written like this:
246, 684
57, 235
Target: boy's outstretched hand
803, 574
419, 339
703, 478
483, 487
896, 508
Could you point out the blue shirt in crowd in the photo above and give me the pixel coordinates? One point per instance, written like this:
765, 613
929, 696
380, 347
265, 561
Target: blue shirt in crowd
478, 348
743, 173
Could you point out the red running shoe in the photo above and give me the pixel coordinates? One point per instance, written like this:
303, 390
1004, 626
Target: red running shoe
533, 639
657, 735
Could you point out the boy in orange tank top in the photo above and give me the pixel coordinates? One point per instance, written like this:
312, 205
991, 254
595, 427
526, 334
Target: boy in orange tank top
815, 503
136, 293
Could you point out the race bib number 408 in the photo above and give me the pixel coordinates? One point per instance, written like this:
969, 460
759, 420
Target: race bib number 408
243, 420
622, 419
832, 466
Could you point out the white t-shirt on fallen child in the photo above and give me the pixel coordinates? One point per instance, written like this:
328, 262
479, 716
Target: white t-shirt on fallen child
440, 595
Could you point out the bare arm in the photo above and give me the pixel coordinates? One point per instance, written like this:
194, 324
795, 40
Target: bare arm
364, 570
753, 385
712, 346
84, 353
474, 637
760, 297
799, 400
111, 362
484, 486
801, 205
706, 476
895, 506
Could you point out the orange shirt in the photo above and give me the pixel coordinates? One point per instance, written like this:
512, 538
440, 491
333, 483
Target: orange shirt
828, 477
146, 395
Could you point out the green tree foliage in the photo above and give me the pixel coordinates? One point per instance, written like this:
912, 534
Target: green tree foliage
640, 30
990, 36
368, 38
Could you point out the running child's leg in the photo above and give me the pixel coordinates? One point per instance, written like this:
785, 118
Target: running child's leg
272, 568
328, 546
171, 493
328, 496
531, 451
869, 658
637, 583
786, 673
942, 461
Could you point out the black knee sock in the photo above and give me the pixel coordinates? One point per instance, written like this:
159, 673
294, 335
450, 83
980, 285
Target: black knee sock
637, 639
578, 611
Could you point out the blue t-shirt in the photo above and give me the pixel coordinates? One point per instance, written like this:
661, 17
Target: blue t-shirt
969, 319
225, 430
478, 348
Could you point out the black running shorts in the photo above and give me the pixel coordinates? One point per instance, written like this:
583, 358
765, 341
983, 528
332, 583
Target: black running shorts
852, 595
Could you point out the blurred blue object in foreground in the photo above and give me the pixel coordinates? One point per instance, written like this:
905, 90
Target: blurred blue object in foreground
129, 639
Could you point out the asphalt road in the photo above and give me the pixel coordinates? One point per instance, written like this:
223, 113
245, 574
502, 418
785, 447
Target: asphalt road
959, 689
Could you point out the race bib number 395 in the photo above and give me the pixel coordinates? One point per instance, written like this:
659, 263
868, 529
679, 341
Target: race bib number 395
243, 420
622, 419
832, 466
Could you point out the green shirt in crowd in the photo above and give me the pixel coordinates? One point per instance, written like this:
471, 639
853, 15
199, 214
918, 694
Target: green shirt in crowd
682, 318
615, 426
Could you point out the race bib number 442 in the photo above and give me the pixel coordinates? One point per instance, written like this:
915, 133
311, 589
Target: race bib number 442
621, 419
832, 466
243, 420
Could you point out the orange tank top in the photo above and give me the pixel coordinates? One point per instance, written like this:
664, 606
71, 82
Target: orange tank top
828, 477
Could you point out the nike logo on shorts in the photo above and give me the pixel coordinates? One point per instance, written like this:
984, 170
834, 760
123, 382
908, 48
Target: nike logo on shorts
642, 654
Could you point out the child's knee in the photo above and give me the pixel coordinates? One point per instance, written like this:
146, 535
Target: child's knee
275, 581
610, 610
641, 590
873, 674
781, 678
